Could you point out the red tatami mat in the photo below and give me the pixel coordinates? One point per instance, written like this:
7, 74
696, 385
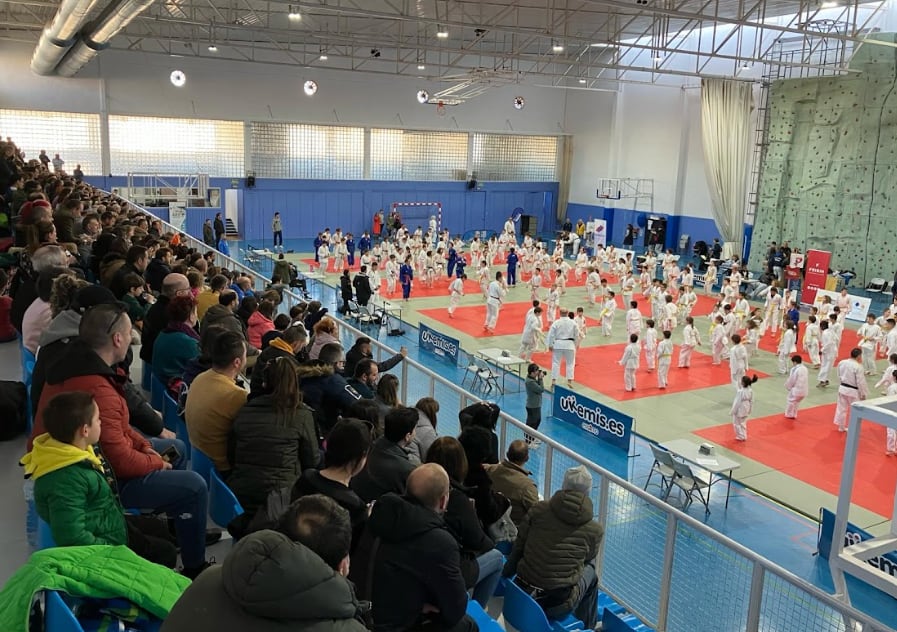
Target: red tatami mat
849, 340
470, 318
811, 450
599, 369
440, 288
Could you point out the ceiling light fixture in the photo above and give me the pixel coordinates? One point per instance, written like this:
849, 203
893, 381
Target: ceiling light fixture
582, 81
178, 78
830, 5
746, 65
423, 96
213, 48
658, 57
421, 67
519, 103
556, 47
294, 14
310, 87
323, 54
441, 32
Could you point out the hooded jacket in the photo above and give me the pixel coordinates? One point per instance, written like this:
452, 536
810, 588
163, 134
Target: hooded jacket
270, 450
517, 485
72, 494
417, 563
268, 583
223, 316
79, 368
326, 392
62, 330
386, 470
555, 541
277, 348
424, 436
259, 325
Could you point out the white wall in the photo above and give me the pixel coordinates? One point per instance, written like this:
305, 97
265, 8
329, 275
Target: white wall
137, 83
636, 133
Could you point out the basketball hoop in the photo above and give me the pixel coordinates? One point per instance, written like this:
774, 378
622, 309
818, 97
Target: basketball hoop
440, 109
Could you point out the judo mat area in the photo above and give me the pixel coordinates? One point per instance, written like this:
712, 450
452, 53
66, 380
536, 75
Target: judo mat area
469, 320
811, 449
599, 368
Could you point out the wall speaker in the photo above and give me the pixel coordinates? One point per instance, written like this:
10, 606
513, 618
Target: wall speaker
471, 184
250, 181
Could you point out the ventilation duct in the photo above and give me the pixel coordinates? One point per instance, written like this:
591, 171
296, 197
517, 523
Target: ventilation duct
97, 37
62, 33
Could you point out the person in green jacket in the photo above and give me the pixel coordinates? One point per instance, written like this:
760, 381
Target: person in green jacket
74, 491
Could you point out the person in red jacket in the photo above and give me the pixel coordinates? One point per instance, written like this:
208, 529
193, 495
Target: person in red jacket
150, 472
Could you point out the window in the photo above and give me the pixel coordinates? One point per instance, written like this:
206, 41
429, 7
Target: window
75, 137
286, 150
416, 155
168, 146
516, 158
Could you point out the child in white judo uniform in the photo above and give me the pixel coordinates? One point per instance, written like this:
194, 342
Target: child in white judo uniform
664, 358
690, 339
786, 346
797, 385
607, 313
738, 360
629, 362
650, 345
742, 406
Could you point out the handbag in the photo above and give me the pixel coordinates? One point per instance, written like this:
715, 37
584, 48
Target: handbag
503, 529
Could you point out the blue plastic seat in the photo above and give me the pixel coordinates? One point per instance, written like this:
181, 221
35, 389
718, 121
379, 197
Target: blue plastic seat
157, 392
484, 621
620, 622
522, 612
169, 412
44, 535
58, 617
180, 429
223, 504
201, 464
28, 362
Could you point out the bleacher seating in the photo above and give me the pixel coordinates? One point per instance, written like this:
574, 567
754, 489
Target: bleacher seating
223, 504
522, 611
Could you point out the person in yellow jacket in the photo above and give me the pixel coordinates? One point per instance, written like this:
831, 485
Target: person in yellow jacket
74, 491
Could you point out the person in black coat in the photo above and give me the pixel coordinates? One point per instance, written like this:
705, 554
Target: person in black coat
484, 415
286, 343
481, 563
218, 226
361, 350
388, 465
362, 285
414, 542
325, 390
346, 293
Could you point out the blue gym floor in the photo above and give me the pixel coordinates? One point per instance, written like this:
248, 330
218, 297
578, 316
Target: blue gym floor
758, 523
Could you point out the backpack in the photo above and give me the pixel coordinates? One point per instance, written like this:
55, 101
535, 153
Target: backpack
13, 409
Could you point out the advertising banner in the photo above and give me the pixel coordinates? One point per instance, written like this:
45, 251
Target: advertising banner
438, 344
599, 232
886, 563
177, 216
859, 305
817, 262
598, 420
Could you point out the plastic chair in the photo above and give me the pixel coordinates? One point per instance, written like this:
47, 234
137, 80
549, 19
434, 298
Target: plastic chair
201, 464
877, 285
157, 391
169, 412
620, 621
522, 612
180, 430
44, 535
472, 369
691, 484
28, 361
484, 621
663, 465
223, 504
58, 617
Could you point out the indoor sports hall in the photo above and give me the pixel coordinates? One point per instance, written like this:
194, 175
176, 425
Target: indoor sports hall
756, 139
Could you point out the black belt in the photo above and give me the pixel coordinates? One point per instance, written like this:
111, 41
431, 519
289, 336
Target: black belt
570, 339
856, 388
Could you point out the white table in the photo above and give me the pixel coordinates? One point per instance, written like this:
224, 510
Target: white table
389, 309
506, 363
719, 466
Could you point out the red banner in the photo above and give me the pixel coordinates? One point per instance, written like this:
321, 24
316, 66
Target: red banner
817, 263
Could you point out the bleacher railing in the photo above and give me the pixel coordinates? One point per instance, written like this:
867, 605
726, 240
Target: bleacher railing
670, 570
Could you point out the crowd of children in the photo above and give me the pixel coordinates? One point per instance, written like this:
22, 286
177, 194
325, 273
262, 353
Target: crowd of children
435, 258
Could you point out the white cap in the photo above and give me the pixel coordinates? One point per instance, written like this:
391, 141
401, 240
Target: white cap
578, 479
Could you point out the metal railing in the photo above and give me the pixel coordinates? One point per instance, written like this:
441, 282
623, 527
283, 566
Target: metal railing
670, 570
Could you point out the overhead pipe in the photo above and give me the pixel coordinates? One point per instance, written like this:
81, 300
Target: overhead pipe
62, 33
98, 35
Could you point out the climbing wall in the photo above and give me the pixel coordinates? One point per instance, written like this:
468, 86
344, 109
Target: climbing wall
829, 180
